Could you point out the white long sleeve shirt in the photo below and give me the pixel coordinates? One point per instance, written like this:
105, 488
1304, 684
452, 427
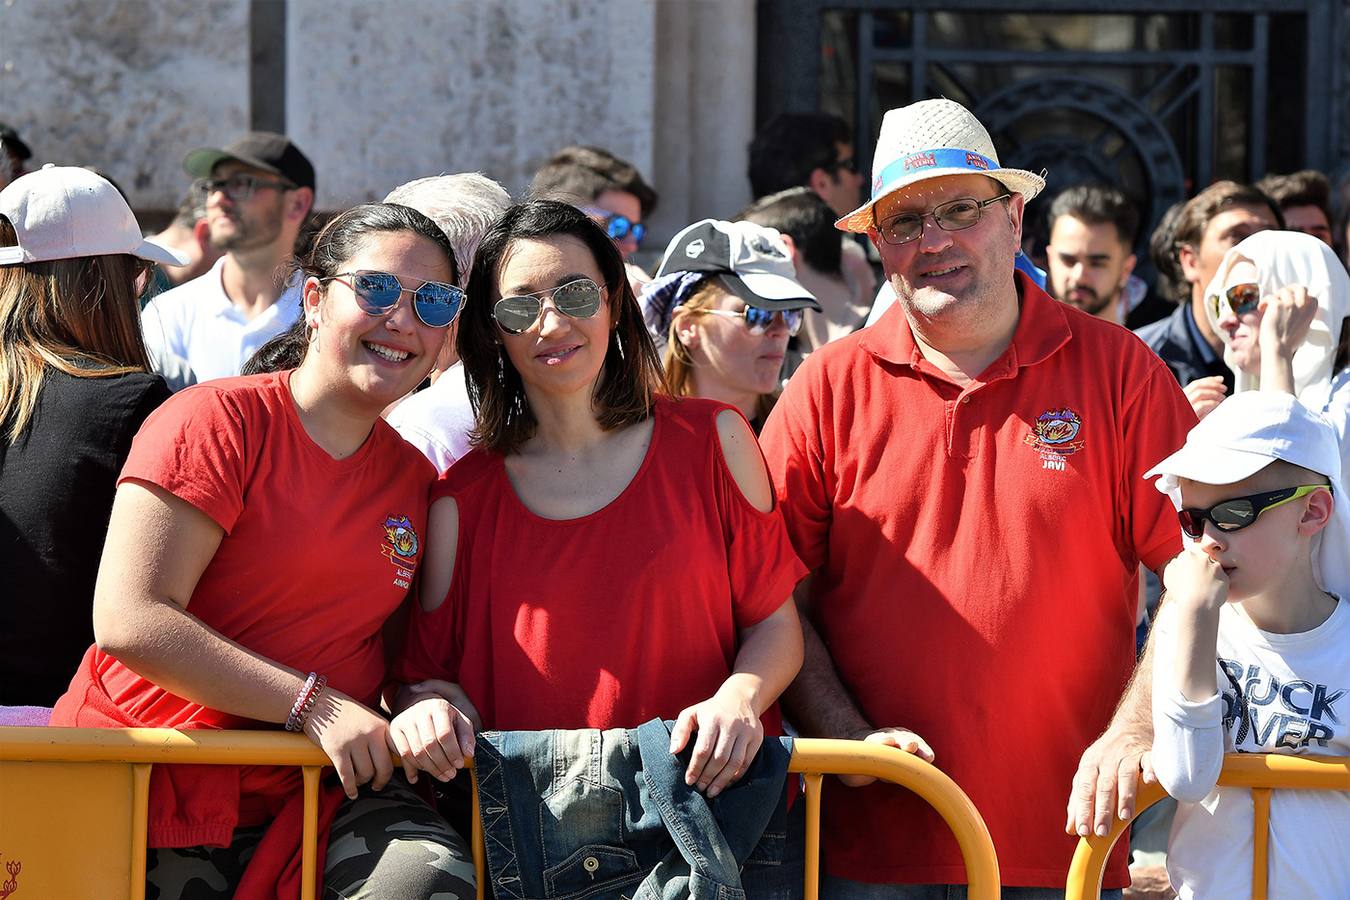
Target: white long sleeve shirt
1278, 693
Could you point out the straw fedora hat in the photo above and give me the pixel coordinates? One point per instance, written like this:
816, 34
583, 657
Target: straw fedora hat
929, 139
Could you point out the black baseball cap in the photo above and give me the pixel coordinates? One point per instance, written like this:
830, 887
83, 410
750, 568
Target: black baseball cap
264, 150
13, 143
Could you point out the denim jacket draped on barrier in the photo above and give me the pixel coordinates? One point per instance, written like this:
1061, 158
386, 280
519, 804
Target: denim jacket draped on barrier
594, 814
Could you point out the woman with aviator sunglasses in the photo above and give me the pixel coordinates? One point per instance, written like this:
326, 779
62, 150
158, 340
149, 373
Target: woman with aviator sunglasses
606, 554
1279, 301
239, 589
725, 302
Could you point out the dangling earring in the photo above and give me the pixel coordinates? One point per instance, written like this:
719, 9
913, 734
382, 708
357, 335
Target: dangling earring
618, 342
501, 364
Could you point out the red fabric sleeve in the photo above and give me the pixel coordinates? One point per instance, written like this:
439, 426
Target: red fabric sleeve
1155, 426
761, 564
433, 645
193, 446
794, 451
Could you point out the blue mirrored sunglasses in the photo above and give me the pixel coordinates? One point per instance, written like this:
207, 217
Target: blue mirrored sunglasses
616, 226
758, 320
435, 302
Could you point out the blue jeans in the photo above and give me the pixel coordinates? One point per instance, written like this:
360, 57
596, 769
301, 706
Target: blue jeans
842, 889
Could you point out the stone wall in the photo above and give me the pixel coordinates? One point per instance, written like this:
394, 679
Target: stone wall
377, 93
127, 86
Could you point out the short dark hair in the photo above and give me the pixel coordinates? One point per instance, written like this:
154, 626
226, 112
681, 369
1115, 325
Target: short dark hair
1162, 250
793, 145
1308, 187
625, 392
1201, 209
581, 174
800, 214
1098, 204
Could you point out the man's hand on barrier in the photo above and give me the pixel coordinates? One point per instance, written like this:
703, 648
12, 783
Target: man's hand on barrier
452, 692
900, 738
729, 736
1107, 781
432, 735
355, 739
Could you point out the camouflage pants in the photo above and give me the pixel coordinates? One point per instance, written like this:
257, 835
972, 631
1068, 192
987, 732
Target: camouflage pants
382, 844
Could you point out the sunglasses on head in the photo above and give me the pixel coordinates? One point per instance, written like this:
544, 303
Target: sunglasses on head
435, 302
616, 226
1239, 512
579, 299
758, 321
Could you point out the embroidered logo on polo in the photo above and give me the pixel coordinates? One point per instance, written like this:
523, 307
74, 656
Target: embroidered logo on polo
1055, 435
400, 547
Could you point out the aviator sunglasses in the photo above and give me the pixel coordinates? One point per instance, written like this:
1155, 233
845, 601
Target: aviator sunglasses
579, 299
435, 302
954, 215
1239, 512
1241, 299
616, 226
758, 321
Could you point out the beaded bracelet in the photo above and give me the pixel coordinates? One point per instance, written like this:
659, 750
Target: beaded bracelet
305, 700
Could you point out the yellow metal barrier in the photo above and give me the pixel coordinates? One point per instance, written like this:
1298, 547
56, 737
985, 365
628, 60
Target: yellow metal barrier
1262, 773
73, 803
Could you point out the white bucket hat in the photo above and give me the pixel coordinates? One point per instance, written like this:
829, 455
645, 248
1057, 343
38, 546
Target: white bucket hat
65, 212
1246, 433
929, 139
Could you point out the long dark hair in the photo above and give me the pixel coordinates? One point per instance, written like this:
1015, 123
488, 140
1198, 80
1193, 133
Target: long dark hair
630, 378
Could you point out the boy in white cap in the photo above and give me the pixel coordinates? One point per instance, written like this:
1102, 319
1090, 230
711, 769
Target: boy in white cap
1250, 647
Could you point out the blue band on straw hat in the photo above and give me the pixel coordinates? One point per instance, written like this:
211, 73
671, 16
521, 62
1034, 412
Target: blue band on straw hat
937, 158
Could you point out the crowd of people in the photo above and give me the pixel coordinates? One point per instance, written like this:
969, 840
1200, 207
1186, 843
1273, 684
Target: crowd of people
849, 464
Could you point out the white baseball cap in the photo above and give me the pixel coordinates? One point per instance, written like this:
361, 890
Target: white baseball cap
1247, 432
929, 139
66, 212
751, 260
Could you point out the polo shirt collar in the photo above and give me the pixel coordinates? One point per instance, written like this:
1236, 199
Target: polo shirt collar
1042, 328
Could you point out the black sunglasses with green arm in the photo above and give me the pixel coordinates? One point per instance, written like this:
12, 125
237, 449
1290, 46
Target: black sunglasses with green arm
1237, 513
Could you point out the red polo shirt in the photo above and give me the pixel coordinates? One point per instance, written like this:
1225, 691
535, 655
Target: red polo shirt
976, 552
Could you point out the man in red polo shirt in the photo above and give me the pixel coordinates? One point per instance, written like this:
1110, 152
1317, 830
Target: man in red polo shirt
964, 479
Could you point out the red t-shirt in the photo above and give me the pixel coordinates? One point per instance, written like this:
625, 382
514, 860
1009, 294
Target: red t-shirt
975, 555
317, 553
611, 619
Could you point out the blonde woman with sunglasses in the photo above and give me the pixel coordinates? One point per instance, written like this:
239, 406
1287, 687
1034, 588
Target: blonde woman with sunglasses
1280, 301
726, 302
606, 554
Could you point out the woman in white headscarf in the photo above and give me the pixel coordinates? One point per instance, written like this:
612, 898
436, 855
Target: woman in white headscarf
1279, 301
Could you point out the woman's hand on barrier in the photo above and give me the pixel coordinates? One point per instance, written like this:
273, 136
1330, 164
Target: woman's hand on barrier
729, 736
434, 736
452, 692
900, 738
355, 738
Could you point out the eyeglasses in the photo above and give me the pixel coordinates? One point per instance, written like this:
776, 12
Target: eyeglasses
955, 215
435, 302
616, 226
238, 187
578, 299
758, 321
1239, 512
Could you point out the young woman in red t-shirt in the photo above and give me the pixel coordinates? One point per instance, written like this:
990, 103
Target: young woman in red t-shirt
606, 554
265, 527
